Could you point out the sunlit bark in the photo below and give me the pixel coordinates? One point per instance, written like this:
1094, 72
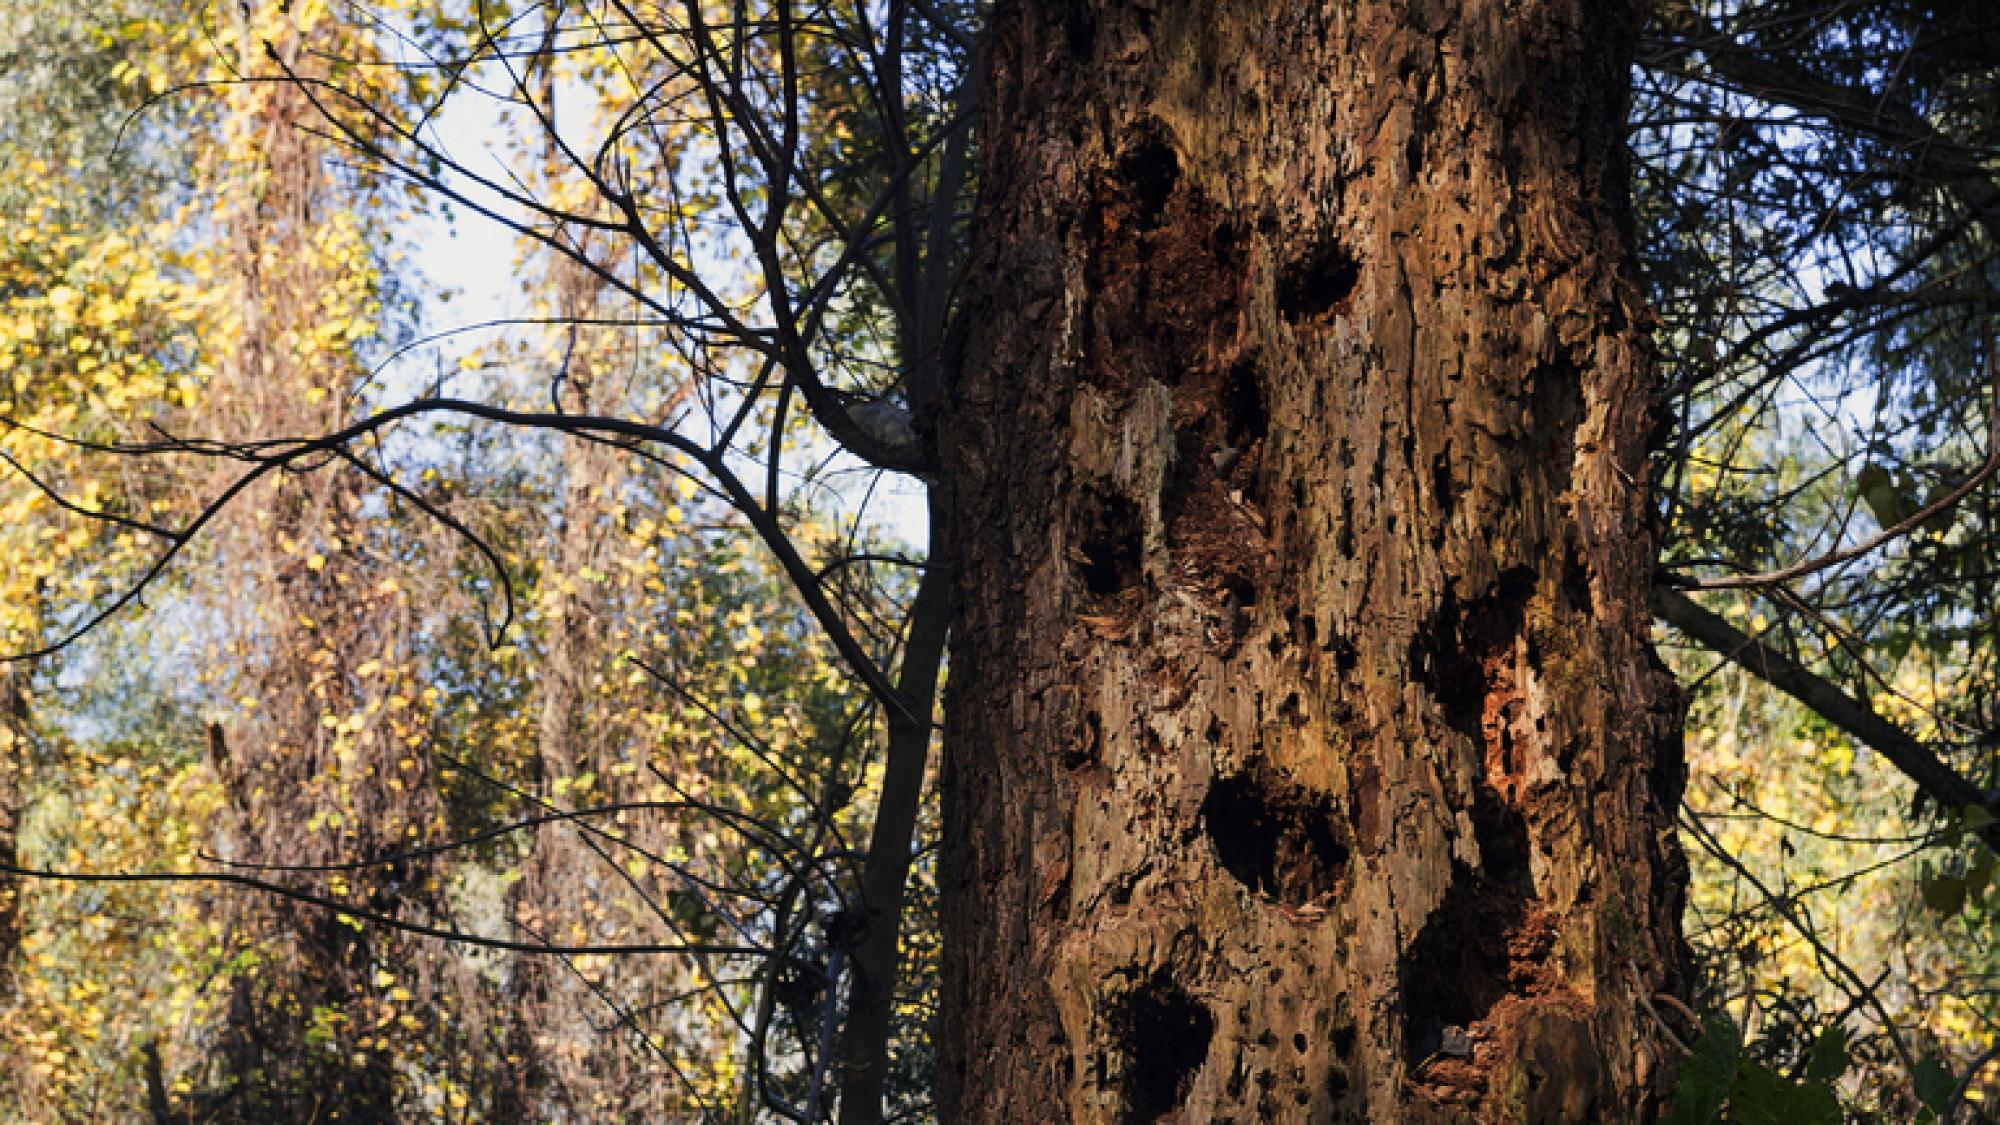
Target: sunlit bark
1306, 755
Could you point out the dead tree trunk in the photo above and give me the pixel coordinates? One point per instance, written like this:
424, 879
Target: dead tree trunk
1306, 755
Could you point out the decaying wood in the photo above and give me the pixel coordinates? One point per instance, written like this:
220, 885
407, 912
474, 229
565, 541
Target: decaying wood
1306, 755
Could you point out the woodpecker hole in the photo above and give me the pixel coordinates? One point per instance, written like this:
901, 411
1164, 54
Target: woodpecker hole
1149, 171
1246, 420
1110, 546
1278, 840
1462, 651
1165, 1033
1318, 284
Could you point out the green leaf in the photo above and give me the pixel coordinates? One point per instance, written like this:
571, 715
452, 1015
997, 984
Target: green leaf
1940, 523
1762, 1096
1708, 1074
1887, 501
1979, 876
1943, 894
1934, 1085
1828, 1059
1898, 644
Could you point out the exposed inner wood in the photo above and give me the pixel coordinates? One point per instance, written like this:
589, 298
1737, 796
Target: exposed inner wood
1306, 755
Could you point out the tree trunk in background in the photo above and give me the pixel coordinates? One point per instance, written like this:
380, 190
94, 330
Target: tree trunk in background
321, 770
566, 887
1306, 755
15, 728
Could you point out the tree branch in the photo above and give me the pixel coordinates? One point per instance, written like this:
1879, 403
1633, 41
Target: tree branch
1913, 758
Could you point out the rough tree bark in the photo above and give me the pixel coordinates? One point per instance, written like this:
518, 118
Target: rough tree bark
1306, 754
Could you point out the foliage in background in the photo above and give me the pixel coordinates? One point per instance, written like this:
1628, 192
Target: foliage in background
1817, 212
314, 687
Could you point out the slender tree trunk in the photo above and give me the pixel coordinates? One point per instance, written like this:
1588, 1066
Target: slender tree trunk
15, 727
1306, 755
567, 888
871, 1003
